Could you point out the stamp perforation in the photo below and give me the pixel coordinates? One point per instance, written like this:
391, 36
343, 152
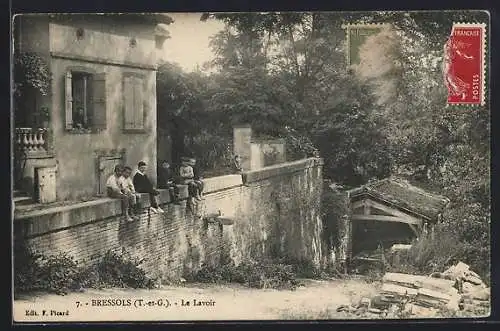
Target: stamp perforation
348, 26
482, 61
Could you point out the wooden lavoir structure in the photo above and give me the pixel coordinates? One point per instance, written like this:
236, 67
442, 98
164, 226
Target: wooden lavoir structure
390, 211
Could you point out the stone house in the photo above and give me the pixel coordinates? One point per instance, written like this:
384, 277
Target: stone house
101, 106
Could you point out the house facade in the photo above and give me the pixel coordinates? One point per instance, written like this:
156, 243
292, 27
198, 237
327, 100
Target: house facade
101, 106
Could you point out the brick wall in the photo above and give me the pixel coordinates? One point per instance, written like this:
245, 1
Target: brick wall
275, 213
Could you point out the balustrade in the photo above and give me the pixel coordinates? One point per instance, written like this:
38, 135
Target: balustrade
32, 140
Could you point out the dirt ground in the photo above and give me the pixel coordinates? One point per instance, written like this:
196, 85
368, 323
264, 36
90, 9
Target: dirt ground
314, 300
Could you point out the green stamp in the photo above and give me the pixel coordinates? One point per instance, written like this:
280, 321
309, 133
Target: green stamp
356, 35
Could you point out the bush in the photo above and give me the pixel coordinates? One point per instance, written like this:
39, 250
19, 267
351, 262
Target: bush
60, 273
213, 153
334, 205
304, 268
255, 274
117, 271
429, 255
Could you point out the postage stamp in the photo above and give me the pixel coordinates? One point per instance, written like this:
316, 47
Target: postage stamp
464, 64
250, 166
356, 35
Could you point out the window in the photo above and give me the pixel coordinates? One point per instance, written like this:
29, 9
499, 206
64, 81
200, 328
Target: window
133, 99
85, 101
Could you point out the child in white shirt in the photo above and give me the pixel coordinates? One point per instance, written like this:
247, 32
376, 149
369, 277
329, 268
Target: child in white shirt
127, 187
114, 191
186, 173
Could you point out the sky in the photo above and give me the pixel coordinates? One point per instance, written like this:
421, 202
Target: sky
188, 45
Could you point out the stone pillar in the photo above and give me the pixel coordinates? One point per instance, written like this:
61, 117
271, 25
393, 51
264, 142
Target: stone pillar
242, 136
256, 161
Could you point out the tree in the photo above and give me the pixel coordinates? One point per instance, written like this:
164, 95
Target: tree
32, 77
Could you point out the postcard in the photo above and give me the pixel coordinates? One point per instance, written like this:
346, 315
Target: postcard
251, 166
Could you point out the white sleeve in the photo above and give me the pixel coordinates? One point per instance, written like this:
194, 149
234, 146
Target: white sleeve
109, 182
112, 183
123, 183
131, 185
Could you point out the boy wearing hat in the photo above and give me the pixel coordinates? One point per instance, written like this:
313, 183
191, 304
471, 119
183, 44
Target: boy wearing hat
142, 184
187, 175
166, 180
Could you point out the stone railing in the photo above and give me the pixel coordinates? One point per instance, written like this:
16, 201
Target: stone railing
32, 141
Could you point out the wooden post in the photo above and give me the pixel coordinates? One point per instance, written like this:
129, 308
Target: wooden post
366, 208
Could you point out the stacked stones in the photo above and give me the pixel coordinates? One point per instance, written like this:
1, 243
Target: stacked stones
458, 289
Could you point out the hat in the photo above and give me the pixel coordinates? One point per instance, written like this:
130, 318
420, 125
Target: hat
188, 160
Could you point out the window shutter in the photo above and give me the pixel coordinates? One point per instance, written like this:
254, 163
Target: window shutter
139, 103
68, 101
128, 100
99, 101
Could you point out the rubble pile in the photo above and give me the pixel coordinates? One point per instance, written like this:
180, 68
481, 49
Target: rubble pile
456, 289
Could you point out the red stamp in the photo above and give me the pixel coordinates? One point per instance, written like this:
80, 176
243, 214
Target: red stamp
464, 59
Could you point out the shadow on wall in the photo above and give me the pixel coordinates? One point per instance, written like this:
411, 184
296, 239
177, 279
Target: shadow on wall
129, 233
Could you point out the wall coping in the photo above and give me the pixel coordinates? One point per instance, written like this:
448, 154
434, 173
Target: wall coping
100, 60
144, 200
50, 219
219, 183
279, 169
258, 141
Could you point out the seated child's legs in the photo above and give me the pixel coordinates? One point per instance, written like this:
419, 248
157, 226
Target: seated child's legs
137, 199
117, 195
132, 198
200, 185
192, 189
125, 203
171, 192
113, 194
152, 199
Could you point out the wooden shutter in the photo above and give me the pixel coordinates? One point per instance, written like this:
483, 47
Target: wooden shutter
128, 102
68, 101
139, 103
99, 101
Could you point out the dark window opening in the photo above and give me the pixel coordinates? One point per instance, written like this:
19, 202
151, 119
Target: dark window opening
81, 91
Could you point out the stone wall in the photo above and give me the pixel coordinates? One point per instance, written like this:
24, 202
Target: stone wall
267, 152
275, 212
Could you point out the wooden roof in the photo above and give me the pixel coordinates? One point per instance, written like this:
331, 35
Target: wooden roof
404, 196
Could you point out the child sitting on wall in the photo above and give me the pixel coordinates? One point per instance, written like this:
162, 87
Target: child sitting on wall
144, 185
166, 180
127, 187
237, 168
114, 191
187, 175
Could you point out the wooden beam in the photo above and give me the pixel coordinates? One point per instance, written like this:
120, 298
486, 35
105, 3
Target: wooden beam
392, 211
358, 204
384, 218
362, 204
414, 229
366, 209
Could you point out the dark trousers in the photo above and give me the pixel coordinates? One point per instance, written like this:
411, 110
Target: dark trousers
128, 200
173, 191
195, 187
152, 199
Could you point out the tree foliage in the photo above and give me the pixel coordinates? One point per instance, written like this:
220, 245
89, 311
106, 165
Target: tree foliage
286, 75
31, 71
